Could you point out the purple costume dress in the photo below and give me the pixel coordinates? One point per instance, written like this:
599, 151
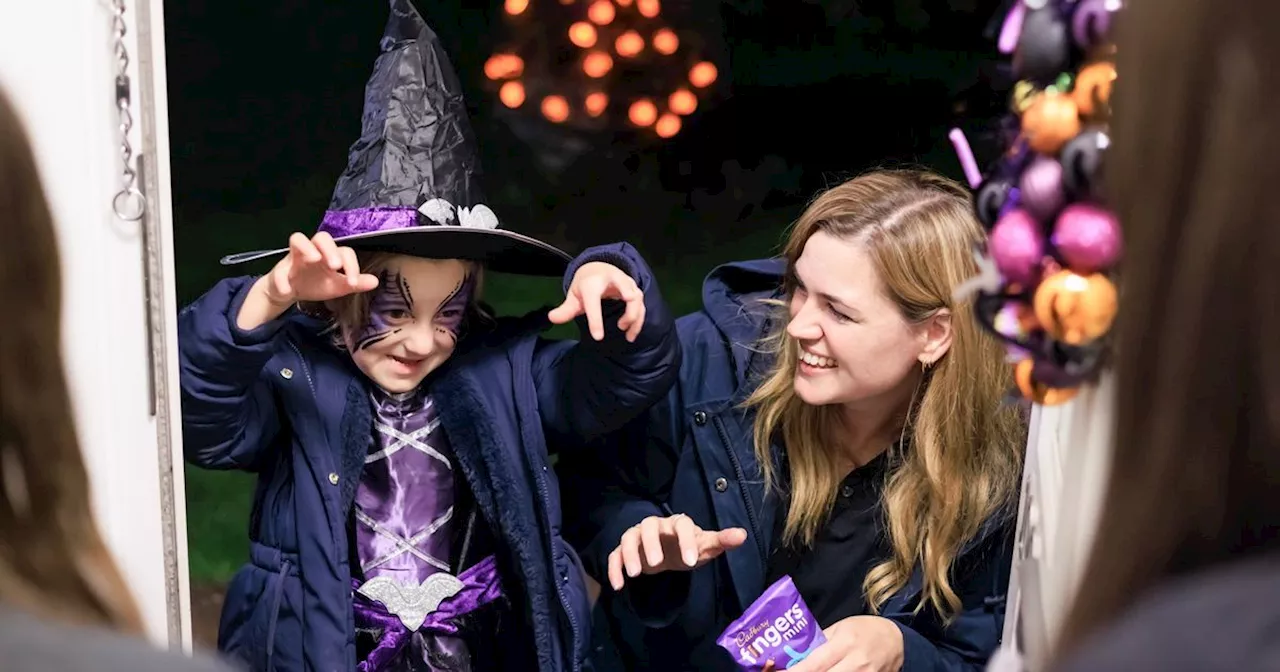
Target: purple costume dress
404, 531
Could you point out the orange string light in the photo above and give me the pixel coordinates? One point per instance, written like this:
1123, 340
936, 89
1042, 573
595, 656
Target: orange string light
648, 8
516, 7
667, 126
665, 41
682, 102
555, 108
583, 34
601, 12
597, 64
643, 112
503, 66
511, 94
703, 74
596, 103
629, 44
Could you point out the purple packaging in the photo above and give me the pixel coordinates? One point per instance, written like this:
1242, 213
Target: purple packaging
776, 627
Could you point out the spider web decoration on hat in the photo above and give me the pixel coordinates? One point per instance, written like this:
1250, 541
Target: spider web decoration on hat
601, 64
1046, 285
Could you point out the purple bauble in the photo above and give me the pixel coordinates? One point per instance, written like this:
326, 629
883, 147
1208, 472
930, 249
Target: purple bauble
1088, 238
1091, 22
1017, 246
1041, 188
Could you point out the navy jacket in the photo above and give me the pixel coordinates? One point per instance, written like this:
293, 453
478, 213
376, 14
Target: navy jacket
692, 453
282, 402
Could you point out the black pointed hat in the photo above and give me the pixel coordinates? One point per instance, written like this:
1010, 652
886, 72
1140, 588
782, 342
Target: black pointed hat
411, 185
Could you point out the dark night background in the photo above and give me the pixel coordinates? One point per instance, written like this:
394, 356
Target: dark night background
265, 98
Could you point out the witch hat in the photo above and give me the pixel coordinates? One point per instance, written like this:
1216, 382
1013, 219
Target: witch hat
411, 185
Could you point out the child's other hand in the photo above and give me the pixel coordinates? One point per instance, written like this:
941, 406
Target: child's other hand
316, 269
592, 283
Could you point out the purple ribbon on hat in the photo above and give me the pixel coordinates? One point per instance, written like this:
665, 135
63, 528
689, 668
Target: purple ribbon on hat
481, 586
342, 223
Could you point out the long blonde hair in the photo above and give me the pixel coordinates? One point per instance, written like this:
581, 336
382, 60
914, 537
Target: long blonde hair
52, 559
964, 452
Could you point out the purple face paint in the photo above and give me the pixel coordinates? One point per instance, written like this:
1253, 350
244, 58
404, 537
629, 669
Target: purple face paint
391, 304
454, 307
776, 628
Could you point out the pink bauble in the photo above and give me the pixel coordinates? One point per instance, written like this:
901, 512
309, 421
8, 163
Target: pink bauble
1017, 246
1088, 238
1040, 188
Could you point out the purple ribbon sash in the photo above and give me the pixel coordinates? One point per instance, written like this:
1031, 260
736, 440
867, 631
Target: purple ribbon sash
480, 587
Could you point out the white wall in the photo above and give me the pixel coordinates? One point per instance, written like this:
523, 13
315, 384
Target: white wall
57, 65
1068, 454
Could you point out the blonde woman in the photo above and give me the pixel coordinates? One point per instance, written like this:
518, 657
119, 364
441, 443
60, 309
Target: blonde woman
839, 420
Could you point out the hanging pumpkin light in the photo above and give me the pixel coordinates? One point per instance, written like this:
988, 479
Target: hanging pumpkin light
601, 53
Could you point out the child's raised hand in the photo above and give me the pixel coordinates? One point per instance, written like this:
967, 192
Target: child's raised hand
316, 269
593, 282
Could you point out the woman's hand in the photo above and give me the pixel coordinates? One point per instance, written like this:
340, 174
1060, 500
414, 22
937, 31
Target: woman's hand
593, 282
667, 544
857, 644
314, 269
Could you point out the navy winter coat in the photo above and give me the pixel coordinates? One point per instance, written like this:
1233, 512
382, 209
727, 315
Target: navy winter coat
280, 401
693, 453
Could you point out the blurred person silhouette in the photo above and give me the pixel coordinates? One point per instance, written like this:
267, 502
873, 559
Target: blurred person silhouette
1184, 572
63, 603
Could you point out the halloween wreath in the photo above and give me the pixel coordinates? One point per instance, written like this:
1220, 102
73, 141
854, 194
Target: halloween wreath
1047, 281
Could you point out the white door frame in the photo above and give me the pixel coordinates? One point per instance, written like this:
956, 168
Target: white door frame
58, 64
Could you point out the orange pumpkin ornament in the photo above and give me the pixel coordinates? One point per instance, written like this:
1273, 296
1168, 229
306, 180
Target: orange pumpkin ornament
1051, 119
1075, 309
1039, 392
1092, 93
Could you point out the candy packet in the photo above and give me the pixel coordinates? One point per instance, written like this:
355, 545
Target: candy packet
776, 632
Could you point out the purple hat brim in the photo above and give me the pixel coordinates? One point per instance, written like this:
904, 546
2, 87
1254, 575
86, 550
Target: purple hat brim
499, 250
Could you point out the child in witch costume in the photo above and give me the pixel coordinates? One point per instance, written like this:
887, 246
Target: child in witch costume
405, 516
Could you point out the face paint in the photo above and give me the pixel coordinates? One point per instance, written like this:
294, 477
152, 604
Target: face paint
414, 323
391, 305
453, 308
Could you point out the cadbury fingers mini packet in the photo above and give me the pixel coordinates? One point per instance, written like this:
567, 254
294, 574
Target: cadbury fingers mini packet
777, 628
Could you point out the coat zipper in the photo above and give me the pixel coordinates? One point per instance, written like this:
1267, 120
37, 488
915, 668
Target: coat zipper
742, 486
306, 369
555, 580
